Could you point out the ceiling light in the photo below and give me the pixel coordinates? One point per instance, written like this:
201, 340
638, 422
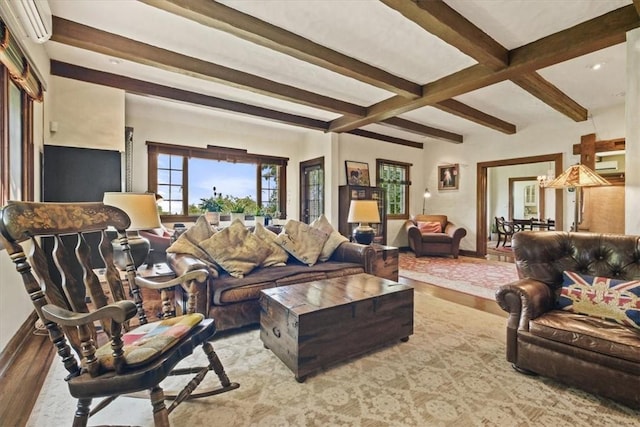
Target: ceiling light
596, 66
114, 61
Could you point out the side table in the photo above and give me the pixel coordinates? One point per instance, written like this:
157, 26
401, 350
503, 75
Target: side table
386, 263
159, 272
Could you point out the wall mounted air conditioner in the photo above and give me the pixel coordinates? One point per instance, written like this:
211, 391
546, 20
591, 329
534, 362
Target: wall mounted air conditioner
609, 165
34, 16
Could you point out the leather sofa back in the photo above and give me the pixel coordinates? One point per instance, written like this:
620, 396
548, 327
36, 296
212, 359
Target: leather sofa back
544, 256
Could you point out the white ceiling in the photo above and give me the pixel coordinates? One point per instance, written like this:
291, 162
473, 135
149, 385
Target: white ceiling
371, 32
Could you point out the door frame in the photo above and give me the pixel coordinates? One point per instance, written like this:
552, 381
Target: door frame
318, 161
482, 193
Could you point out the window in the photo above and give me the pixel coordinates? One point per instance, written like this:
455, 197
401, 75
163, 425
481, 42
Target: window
393, 177
18, 89
185, 175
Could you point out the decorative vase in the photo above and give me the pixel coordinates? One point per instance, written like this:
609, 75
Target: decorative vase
259, 219
237, 215
213, 218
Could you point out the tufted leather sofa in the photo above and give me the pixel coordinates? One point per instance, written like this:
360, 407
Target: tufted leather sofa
597, 355
446, 242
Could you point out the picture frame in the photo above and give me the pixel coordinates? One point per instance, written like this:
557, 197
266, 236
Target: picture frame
357, 173
448, 177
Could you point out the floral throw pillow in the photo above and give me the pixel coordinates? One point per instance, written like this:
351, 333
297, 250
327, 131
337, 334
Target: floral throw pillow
611, 299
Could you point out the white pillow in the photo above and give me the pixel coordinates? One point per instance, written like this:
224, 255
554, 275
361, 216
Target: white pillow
335, 238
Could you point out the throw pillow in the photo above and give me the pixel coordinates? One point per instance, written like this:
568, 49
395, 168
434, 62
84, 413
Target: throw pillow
602, 297
334, 240
277, 257
189, 241
302, 241
236, 249
430, 227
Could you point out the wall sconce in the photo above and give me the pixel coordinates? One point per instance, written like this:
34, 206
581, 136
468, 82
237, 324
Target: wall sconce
425, 196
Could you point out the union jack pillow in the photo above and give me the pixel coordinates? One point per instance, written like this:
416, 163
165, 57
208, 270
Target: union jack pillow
602, 297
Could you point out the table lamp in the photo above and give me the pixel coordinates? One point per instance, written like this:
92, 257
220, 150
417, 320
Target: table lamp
143, 213
364, 212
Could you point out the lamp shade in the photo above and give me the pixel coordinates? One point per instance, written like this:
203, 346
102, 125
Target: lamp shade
578, 176
140, 207
364, 211
427, 193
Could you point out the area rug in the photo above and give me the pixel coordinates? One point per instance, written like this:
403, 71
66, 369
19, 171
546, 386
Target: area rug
472, 276
451, 372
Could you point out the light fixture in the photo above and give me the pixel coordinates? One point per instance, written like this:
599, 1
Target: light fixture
143, 213
425, 196
576, 177
364, 212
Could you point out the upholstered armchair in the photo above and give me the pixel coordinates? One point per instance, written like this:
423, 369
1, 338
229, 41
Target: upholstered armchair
434, 235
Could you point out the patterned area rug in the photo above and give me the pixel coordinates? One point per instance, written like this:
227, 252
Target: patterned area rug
451, 372
473, 276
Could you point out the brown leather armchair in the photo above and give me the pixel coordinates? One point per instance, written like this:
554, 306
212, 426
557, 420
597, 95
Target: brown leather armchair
586, 351
430, 241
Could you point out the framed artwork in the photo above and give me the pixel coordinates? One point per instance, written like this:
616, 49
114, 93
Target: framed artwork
448, 177
357, 173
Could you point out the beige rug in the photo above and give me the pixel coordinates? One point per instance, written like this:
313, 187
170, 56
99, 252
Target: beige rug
452, 372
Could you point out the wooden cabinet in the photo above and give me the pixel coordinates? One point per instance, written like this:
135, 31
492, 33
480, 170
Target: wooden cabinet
357, 192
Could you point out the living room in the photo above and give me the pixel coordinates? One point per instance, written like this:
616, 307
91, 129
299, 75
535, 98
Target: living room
93, 116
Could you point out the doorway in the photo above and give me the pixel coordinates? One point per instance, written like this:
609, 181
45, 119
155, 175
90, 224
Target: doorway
311, 189
482, 194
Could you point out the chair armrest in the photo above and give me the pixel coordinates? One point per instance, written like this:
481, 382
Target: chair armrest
119, 311
456, 233
524, 300
197, 275
364, 255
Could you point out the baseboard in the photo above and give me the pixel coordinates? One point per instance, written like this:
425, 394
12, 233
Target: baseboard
12, 350
472, 254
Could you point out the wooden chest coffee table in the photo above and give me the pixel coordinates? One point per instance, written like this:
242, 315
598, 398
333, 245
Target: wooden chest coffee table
316, 324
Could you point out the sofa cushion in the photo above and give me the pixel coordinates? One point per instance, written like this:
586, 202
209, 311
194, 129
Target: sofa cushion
302, 241
603, 297
189, 242
334, 240
277, 257
236, 249
589, 333
429, 227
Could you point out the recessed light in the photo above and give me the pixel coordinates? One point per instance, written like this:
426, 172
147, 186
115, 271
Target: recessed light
596, 66
114, 61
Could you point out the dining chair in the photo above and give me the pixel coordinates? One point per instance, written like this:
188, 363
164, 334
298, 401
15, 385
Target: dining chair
106, 344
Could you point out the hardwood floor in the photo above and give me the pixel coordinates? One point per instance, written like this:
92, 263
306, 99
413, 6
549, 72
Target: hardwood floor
20, 381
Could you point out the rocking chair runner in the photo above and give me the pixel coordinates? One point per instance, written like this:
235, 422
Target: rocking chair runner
125, 365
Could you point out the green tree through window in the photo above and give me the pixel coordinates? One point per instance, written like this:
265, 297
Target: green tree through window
393, 177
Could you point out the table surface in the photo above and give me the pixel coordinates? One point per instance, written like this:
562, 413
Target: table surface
155, 271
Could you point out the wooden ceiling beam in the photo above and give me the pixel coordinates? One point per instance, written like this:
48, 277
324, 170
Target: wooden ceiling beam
387, 138
592, 35
406, 125
459, 109
602, 146
247, 27
84, 37
548, 93
636, 3
140, 87
446, 23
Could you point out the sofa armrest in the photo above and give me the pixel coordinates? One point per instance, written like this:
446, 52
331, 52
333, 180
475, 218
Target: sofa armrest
184, 263
364, 255
524, 300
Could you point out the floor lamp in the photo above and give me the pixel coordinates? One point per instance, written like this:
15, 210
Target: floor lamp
577, 176
425, 196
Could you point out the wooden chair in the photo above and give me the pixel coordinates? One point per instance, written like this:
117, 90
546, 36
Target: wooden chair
75, 327
505, 230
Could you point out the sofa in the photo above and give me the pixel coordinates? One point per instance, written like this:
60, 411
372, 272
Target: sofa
234, 301
433, 235
574, 313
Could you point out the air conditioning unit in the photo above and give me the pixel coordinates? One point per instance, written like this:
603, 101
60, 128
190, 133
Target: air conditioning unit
34, 16
609, 165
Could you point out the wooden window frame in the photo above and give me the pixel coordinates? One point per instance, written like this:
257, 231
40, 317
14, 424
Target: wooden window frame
407, 185
233, 155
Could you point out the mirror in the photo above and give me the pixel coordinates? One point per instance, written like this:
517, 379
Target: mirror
526, 200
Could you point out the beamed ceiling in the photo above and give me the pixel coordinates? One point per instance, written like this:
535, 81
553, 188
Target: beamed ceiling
405, 72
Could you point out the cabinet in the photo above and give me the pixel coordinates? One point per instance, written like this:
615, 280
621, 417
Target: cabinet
357, 192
